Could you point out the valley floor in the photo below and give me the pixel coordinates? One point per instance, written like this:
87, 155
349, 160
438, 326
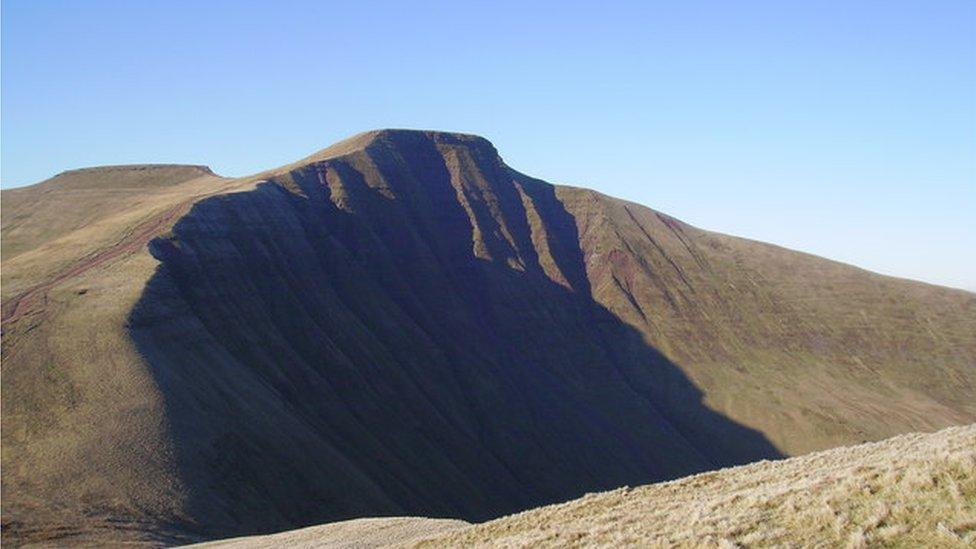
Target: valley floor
913, 490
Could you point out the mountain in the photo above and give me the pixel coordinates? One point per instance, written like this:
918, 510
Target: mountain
913, 490
401, 324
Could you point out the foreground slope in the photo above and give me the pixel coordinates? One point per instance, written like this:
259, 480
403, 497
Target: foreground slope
912, 490
358, 533
404, 325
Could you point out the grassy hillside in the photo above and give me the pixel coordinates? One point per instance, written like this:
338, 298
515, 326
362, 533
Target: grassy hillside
36, 215
910, 491
358, 533
915, 490
404, 325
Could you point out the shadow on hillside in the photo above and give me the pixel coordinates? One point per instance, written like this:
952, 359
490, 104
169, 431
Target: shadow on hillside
319, 365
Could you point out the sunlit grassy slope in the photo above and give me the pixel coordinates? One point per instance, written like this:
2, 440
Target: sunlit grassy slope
916, 490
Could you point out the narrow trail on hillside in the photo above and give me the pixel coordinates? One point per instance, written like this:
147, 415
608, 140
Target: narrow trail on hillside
20, 305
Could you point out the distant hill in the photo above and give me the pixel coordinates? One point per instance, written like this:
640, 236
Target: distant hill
404, 325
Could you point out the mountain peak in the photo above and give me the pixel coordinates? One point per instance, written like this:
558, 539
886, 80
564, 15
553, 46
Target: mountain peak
397, 138
120, 176
408, 135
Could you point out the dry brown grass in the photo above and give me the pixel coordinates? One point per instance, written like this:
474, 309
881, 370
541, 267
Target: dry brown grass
368, 532
909, 491
916, 490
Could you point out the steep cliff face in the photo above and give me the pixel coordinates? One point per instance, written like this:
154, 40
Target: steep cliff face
403, 324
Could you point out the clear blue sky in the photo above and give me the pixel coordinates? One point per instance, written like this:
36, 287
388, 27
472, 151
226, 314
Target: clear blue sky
846, 129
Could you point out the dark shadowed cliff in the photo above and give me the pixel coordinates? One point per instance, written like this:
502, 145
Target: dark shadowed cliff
404, 325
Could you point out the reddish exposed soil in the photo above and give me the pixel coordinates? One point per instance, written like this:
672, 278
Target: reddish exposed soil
17, 307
